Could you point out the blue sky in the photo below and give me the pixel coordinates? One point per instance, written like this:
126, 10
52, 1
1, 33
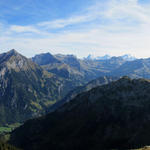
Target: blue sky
79, 27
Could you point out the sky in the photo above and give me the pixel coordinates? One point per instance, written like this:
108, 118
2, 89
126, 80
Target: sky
79, 27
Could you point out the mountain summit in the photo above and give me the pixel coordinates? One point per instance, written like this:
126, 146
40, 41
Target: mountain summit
26, 90
15, 61
44, 59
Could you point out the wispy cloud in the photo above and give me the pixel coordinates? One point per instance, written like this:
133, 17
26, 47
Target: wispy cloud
61, 23
20, 29
130, 10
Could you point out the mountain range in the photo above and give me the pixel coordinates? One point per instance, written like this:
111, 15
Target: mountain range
32, 85
89, 105
84, 70
29, 87
26, 89
80, 70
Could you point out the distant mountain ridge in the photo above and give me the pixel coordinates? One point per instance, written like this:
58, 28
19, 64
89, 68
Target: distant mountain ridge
139, 68
126, 57
91, 57
84, 70
78, 70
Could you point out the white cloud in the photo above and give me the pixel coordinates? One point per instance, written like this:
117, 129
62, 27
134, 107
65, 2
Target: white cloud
89, 14
20, 29
61, 23
129, 9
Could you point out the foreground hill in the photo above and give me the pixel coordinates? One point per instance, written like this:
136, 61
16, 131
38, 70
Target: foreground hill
111, 116
26, 90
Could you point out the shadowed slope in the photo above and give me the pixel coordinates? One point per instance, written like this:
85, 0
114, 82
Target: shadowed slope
110, 116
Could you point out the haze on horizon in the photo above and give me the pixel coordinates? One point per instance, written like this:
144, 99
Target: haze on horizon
80, 27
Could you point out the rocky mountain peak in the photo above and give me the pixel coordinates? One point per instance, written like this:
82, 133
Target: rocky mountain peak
6, 56
12, 60
44, 59
13, 52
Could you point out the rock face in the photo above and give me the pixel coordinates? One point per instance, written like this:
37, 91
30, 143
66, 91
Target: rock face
112, 116
26, 90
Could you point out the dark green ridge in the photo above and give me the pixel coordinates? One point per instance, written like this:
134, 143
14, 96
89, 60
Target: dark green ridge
112, 116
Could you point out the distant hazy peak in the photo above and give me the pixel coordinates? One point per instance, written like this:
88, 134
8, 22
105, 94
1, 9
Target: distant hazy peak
92, 57
105, 57
126, 57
